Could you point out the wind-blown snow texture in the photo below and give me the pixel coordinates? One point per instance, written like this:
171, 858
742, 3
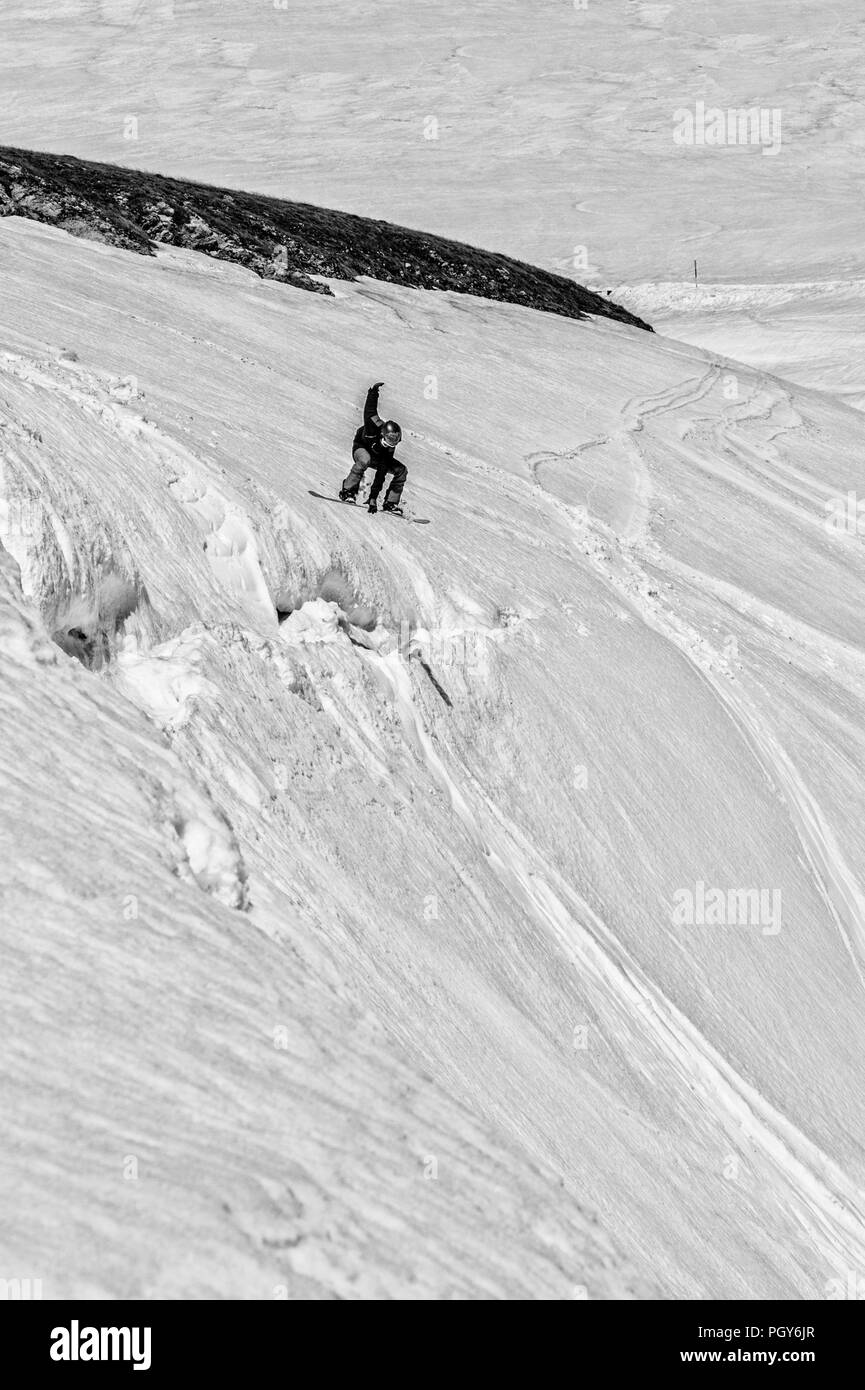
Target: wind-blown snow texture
553, 120
341, 856
378, 994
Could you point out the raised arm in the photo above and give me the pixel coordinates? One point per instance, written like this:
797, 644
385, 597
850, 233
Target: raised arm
370, 411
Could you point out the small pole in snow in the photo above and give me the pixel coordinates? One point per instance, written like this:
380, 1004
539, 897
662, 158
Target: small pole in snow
695, 274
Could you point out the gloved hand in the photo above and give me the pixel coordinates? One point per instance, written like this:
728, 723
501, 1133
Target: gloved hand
377, 384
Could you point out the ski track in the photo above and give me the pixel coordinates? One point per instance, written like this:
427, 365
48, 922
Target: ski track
833, 876
830, 1206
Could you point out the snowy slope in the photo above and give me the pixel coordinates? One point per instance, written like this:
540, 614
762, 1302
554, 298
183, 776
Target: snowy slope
810, 333
433, 823
553, 120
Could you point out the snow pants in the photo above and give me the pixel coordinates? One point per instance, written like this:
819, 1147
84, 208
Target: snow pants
363, 461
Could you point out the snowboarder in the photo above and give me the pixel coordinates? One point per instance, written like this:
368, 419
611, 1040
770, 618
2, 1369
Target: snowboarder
373, 447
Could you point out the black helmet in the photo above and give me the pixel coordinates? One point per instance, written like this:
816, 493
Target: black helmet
391, 434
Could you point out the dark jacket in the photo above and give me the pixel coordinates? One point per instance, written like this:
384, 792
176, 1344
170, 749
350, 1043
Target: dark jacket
368, 435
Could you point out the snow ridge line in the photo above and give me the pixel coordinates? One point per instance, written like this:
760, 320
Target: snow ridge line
229, 541
229, 537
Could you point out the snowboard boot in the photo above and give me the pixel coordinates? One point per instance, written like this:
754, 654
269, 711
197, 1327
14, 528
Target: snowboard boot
348, 497
393, 507
372, 506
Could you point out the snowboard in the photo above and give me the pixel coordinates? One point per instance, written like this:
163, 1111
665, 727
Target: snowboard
415, 520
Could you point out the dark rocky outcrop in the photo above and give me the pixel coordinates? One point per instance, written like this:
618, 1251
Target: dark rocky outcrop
278, 239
